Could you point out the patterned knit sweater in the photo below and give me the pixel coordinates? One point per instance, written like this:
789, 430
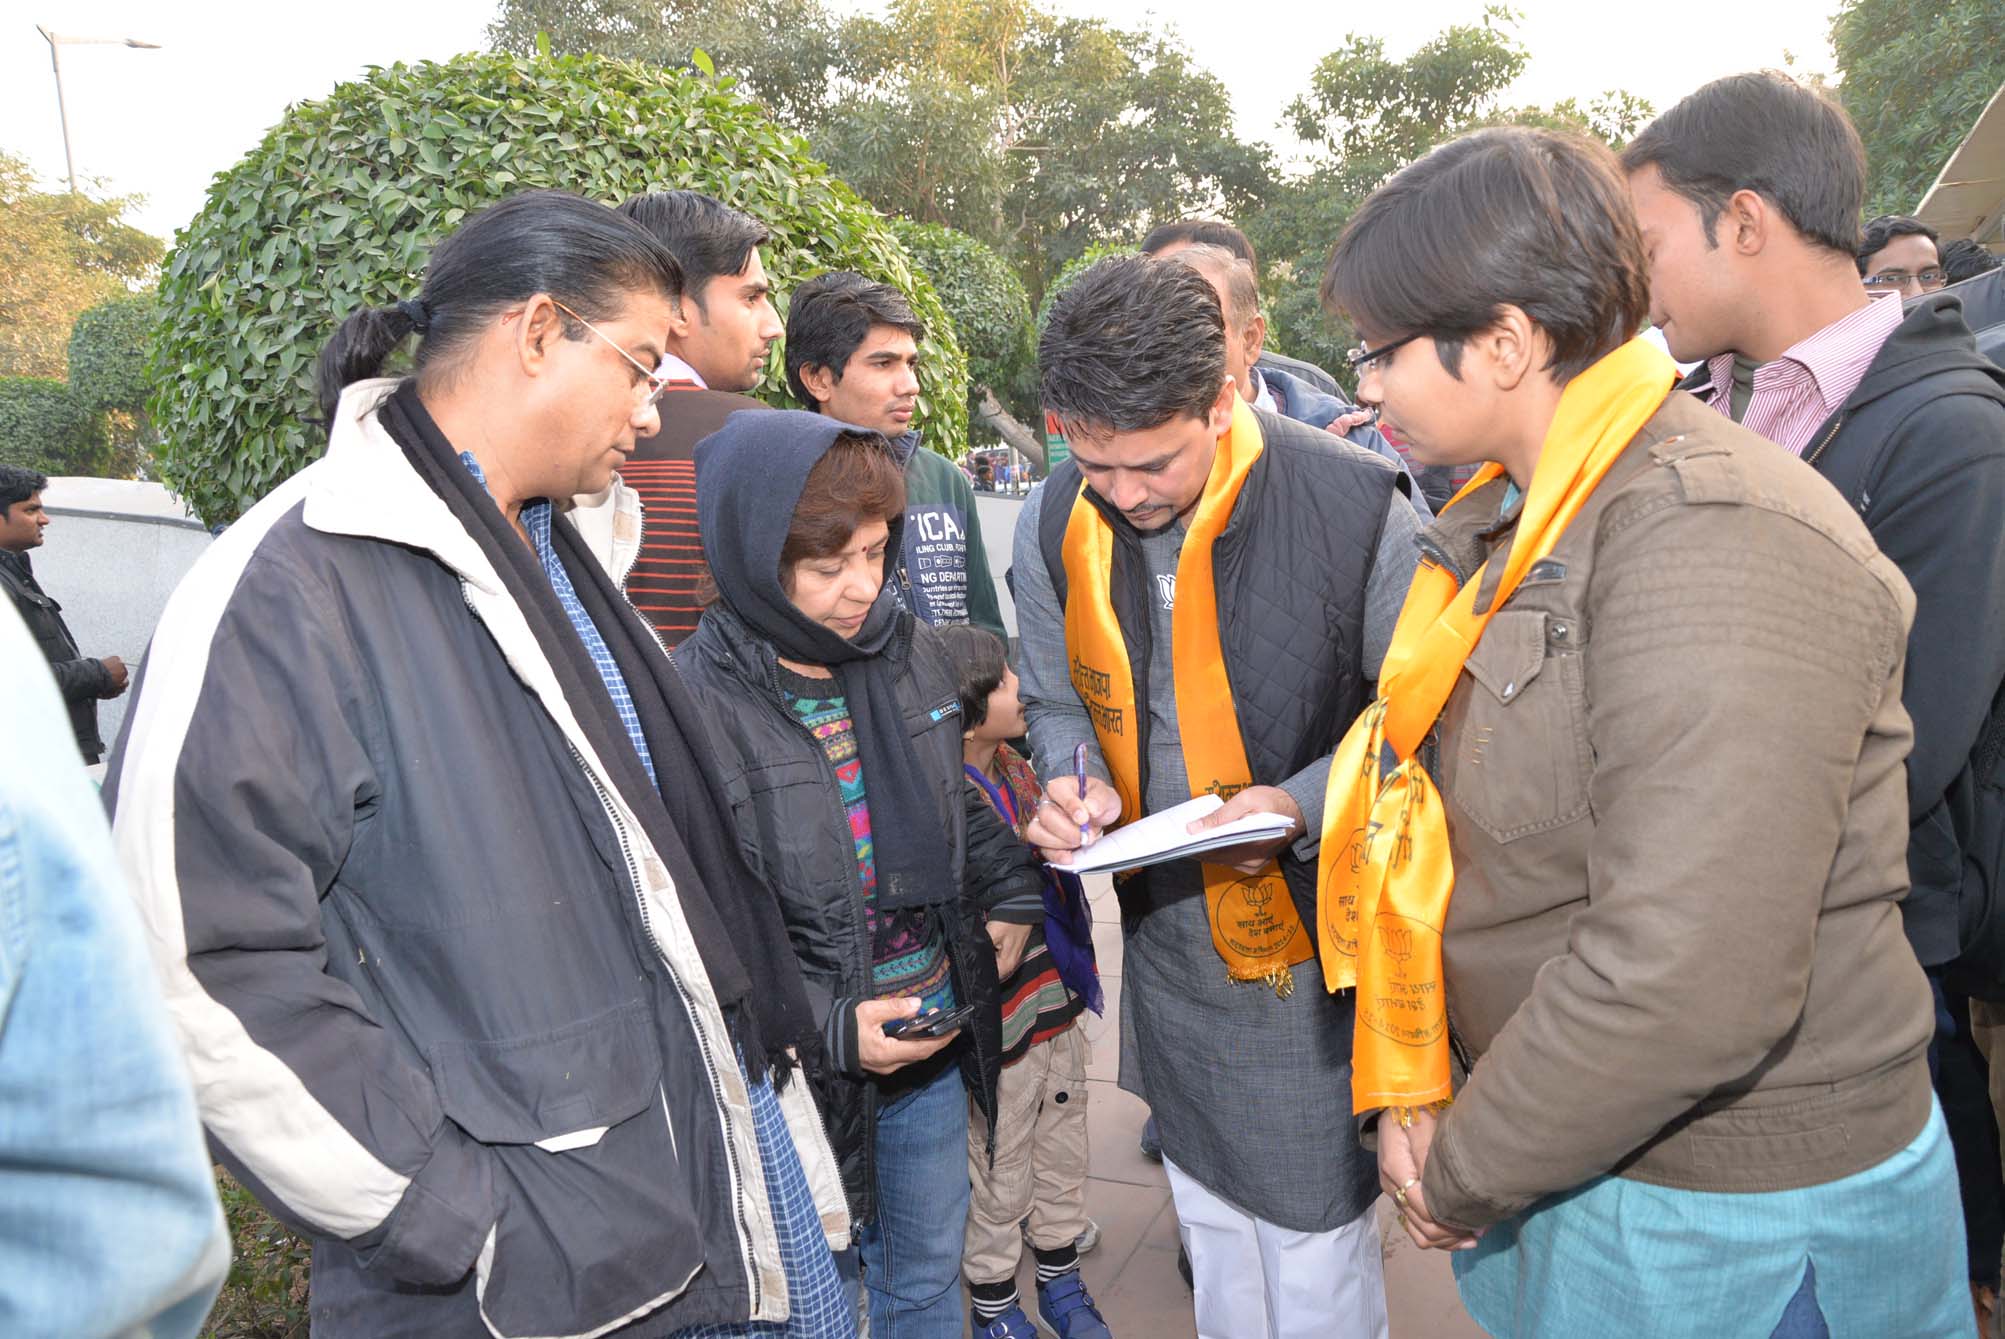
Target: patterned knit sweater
908, 947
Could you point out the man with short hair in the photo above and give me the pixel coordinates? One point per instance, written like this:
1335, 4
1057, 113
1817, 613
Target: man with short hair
1200, 630
724, 327
1755, 272
82, 680
1900, 254
853, 354
1272, 389
725, 323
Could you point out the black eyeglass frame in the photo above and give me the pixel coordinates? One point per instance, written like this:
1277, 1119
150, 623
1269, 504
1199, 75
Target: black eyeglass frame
1930, 279
1361, 357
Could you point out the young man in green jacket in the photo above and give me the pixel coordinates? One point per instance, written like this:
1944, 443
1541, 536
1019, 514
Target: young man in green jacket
853, 354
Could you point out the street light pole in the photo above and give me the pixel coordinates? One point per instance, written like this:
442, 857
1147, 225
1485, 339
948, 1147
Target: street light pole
56, 44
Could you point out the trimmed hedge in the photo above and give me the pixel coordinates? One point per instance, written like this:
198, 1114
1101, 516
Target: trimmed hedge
989, 307
340, 204
44, 428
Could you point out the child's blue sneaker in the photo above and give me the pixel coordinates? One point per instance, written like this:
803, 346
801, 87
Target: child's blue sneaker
1067, 1309
1011, 1324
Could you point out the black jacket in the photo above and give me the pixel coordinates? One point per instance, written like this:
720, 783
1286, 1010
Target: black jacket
1294, 568
442, 1005
80, 679
794, 832
1919, 451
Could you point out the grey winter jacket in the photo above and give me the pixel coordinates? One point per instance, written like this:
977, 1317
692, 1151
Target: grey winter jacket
442, 1007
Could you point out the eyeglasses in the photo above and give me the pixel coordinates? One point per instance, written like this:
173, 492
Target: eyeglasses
1929, 280
655, 384
1361, 358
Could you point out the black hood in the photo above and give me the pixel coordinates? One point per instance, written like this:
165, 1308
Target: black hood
1932, 339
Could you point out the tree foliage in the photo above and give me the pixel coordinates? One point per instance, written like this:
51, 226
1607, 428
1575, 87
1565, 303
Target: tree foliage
107, 357
59, 254
344, 198
1035, 133
787, 54
1914, 84
989, 308
1368, 115
44, 428
1038, 134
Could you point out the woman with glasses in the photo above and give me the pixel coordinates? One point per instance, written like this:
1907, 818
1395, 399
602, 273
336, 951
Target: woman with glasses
1614, 862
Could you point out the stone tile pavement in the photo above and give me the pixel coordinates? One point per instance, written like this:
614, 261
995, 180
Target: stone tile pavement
1133, 1274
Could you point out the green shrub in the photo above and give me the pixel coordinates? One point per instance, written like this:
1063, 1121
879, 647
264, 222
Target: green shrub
107, 358
108, 354
43, 427
340, 204
989, 307
265, 1296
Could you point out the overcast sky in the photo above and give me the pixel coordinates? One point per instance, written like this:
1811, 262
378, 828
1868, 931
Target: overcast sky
161, 123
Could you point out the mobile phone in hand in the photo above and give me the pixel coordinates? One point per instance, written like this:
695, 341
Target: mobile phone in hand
933, 1023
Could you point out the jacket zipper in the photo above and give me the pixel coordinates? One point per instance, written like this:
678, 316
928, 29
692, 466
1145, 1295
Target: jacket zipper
1836, 424
1432, 549
640, 546
682, 992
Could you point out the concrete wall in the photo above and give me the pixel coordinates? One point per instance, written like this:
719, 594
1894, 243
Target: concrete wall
116, 548
998, 512
114, 551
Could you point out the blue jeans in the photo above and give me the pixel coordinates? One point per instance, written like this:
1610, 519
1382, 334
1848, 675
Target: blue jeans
1801, 1319
911, 1249
108, 1216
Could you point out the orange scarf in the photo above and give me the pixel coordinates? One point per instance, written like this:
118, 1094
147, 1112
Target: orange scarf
1385, 871
1254, 925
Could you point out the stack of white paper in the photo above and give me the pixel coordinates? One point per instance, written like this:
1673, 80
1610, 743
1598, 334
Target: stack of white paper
1160, 837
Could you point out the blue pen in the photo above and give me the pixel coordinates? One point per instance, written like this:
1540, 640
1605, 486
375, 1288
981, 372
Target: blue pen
1079, 775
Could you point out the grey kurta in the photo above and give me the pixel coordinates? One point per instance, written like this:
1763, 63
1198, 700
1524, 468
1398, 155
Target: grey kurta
1251, 1092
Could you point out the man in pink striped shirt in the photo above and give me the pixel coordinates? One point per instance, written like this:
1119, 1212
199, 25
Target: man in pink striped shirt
1750, 193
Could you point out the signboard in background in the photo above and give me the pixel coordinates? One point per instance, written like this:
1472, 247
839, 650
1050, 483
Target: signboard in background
1055, 448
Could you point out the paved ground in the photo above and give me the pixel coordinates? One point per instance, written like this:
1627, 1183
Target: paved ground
1133, 1274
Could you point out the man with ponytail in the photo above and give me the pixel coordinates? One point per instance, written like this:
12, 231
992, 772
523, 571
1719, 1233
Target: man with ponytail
1204, 591
476, 987
1614, 860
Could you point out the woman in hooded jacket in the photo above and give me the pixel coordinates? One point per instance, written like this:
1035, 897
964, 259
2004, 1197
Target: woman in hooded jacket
835, 716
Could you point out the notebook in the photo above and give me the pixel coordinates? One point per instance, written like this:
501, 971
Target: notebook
1161, 837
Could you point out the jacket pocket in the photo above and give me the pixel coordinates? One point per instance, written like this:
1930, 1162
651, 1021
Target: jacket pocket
598, 1220
592, 1073
1519, 761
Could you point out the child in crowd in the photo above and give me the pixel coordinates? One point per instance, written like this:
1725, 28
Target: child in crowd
1036, 1186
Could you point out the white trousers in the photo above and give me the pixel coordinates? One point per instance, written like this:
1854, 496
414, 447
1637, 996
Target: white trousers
1255, 1280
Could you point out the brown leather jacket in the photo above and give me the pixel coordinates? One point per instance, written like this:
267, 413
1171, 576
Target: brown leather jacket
1676, 798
